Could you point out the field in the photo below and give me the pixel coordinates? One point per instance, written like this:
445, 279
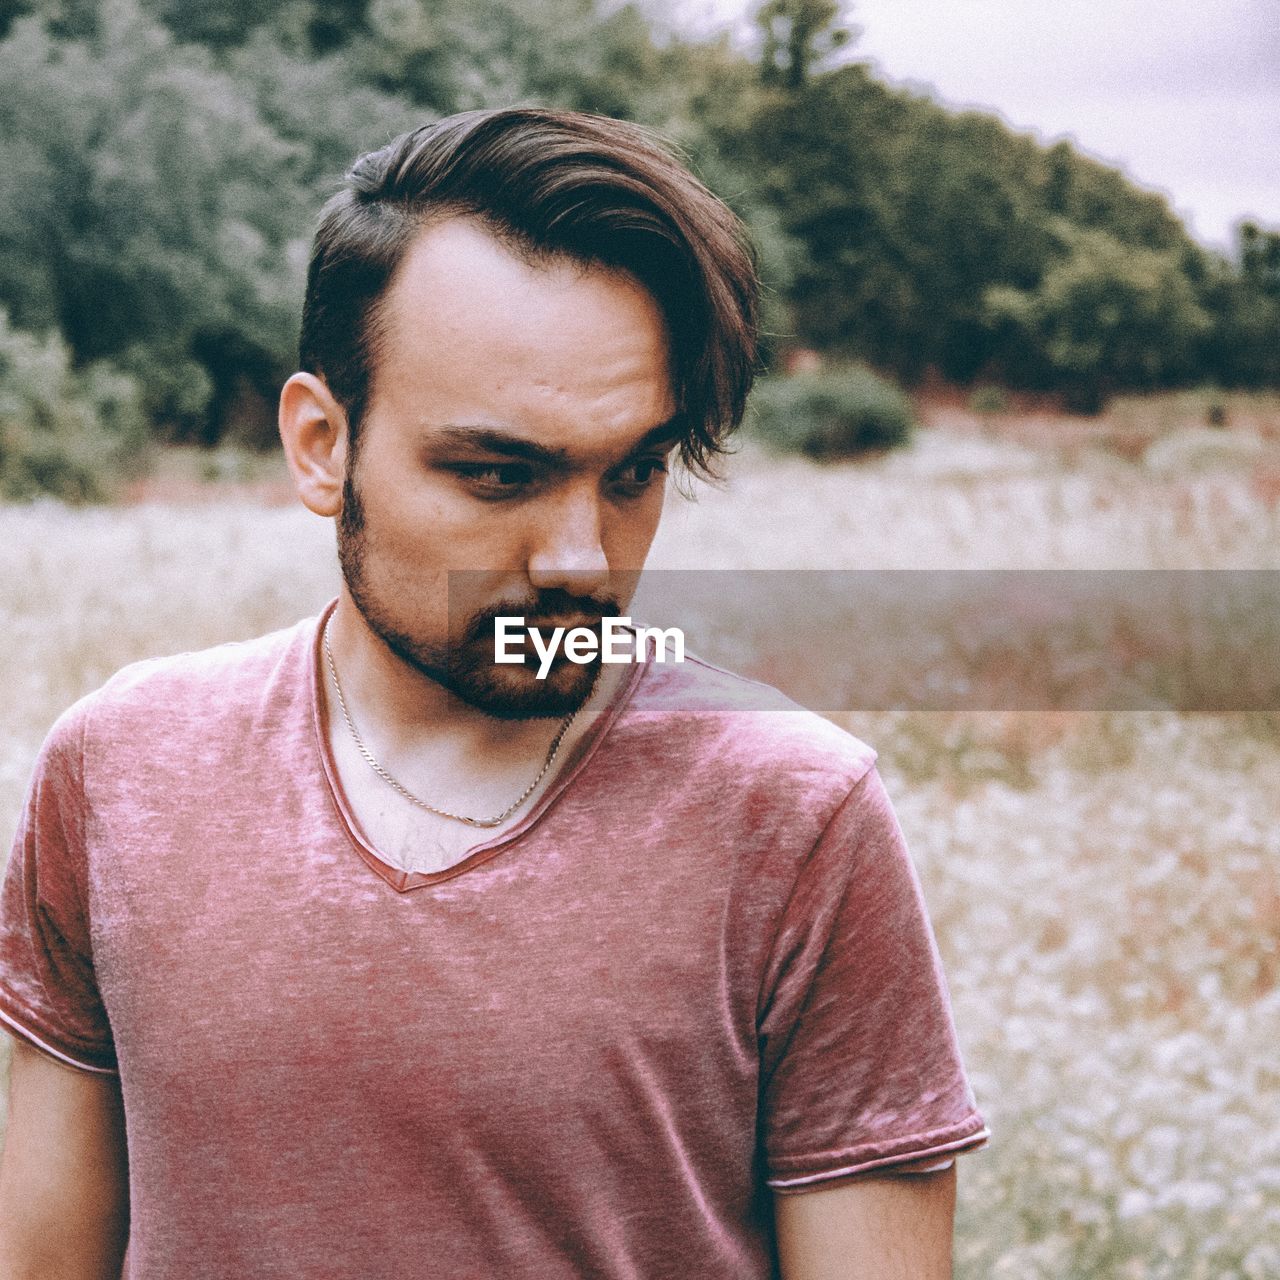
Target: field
1105, 887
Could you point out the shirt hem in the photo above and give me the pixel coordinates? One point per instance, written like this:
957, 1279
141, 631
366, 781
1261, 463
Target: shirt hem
40, 1042
912, 1154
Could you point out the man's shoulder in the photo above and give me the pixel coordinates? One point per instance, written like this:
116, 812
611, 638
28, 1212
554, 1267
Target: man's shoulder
228, 681
727, 721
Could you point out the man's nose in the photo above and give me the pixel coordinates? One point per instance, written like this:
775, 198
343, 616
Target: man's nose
568, 551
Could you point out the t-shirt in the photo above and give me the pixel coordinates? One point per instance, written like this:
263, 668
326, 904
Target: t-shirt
699, 970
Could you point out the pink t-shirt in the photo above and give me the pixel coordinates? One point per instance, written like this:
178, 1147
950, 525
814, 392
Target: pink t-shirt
698, 969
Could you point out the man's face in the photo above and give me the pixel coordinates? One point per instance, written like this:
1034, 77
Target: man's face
511, 461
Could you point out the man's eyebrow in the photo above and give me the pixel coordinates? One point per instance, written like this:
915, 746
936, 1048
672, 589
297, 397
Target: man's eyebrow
664, 433
494, 440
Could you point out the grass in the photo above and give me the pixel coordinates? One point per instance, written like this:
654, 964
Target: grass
1105, 887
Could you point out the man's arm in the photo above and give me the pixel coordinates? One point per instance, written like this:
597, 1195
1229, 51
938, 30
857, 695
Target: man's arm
885, 1228
64, 1176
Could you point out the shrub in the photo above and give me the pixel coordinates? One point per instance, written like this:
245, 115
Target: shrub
69, 433
1108, 316
989, 401
836, 413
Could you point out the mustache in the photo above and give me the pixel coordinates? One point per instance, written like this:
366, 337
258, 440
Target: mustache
554, 607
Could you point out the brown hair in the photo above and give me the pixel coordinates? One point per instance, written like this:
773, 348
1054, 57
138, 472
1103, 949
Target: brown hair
546, 183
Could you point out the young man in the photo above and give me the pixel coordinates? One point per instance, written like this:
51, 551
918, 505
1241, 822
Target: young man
350, 952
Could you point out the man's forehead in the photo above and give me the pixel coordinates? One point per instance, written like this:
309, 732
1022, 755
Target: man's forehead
471, 329
462, 252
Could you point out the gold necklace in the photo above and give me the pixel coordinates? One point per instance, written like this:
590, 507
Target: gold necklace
498, 819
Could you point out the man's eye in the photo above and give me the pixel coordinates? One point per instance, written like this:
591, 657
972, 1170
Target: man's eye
637, 476
495, 478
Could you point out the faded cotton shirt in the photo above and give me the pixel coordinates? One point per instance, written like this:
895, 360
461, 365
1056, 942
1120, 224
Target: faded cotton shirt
699, 970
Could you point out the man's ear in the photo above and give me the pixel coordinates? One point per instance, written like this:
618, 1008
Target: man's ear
313, 429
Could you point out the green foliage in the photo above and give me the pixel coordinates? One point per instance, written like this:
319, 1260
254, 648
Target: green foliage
906, 216
989, 401
501, 52
1107, 316
73, 434
164, 163
798, 36
830, 414
1243, 350
216, 23
163, 218
159, 205
318, 107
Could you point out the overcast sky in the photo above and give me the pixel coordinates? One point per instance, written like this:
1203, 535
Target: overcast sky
1184, 95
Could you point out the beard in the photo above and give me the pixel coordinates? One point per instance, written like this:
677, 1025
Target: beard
465, 665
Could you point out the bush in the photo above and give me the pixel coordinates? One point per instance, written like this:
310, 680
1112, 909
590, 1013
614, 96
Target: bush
1107, 316
72, 434
988, 401
837, 413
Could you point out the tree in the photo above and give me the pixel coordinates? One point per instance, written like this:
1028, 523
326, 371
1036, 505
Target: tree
1107, 317
170, 212
158, 208
1243, 295
164, 163
901, 216
798, 36
1259, 256
69, 432
503, 52
219, 24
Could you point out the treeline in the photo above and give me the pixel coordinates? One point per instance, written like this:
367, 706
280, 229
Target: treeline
163, 162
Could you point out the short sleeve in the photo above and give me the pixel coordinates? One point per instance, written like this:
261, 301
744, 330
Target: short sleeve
861, 1069
48, 991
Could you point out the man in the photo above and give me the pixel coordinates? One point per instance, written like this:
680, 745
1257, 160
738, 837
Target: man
349, 951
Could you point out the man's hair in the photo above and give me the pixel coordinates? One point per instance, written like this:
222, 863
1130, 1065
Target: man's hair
546, 184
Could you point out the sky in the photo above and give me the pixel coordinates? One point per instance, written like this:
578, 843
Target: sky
1183, 95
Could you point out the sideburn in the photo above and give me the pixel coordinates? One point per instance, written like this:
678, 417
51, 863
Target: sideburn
351, 534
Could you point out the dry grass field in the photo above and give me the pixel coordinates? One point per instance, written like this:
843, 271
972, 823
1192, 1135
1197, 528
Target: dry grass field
1105, 887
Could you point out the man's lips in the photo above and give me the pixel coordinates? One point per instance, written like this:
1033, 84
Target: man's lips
547, 625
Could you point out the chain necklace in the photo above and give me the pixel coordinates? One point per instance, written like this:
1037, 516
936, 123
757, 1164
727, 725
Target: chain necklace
498, 819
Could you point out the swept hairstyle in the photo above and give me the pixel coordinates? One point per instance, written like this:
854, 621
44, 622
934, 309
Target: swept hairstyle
546, 184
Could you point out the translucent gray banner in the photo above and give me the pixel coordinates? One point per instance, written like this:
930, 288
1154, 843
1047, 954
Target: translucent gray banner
978, 640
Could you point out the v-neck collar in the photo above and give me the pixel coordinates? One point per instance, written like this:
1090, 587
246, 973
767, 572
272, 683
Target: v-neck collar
399, 879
